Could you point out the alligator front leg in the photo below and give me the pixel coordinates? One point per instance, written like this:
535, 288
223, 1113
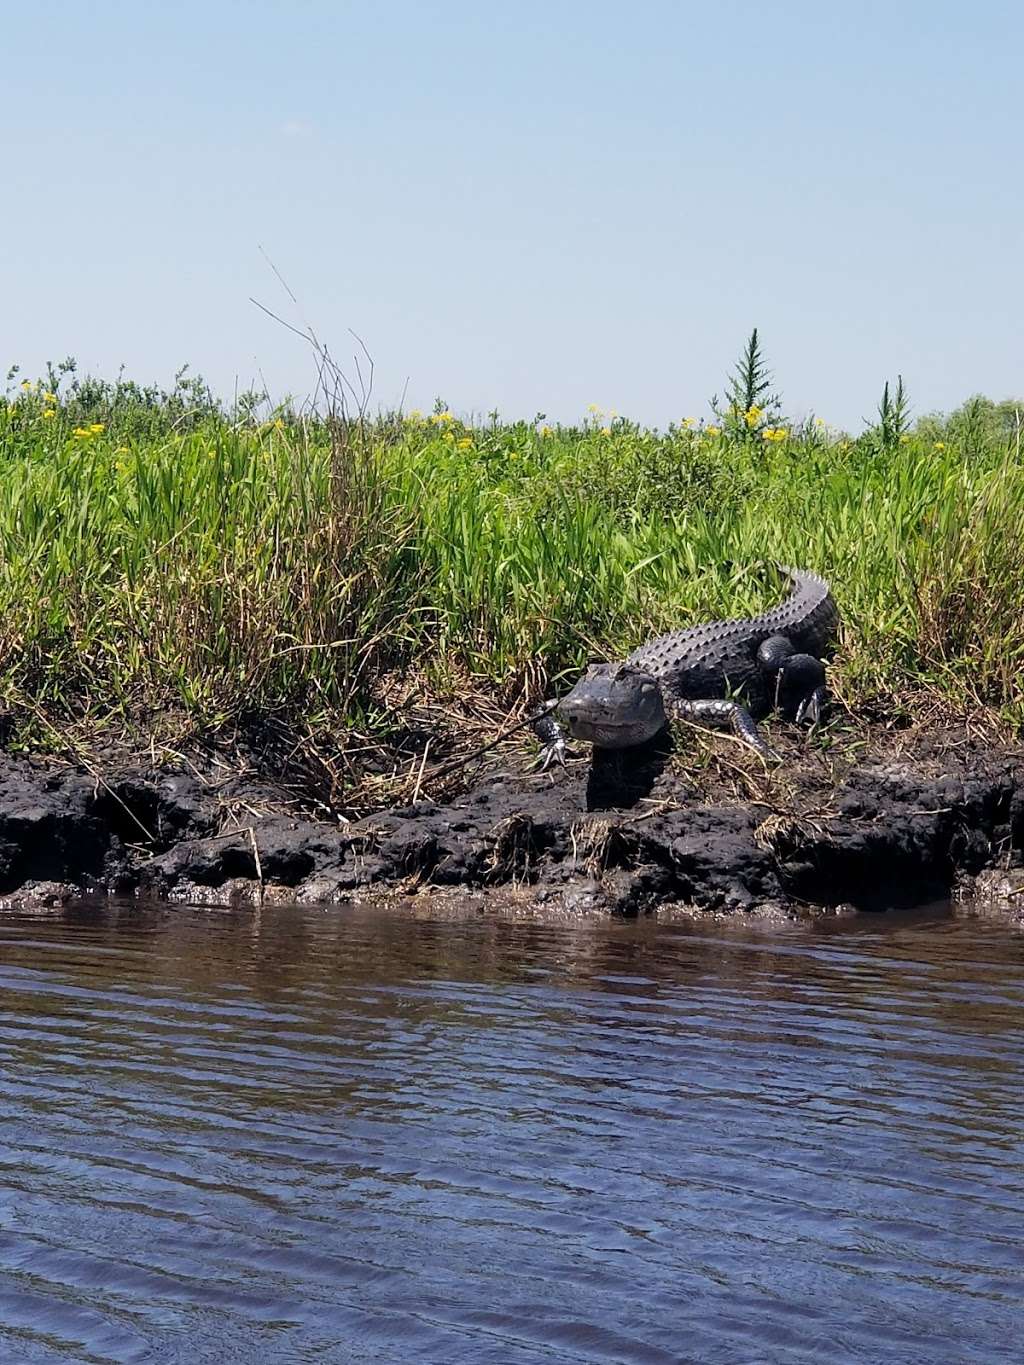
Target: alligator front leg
716, 713
551, 736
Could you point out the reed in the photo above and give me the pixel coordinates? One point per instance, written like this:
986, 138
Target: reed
164, 557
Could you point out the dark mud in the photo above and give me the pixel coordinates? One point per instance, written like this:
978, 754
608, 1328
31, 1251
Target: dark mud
894, 822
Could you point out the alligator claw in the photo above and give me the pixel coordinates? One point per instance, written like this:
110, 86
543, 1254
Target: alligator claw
554, 752
811, 708
551, 736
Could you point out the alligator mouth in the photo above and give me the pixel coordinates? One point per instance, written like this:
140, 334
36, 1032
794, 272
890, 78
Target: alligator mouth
581, 723
608, 733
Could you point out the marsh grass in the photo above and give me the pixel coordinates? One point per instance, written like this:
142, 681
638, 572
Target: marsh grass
206, 567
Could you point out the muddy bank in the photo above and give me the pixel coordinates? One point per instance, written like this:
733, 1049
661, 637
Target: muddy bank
894, 822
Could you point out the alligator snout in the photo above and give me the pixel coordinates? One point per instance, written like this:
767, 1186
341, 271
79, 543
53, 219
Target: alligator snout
613, 707
572, 709
582, 719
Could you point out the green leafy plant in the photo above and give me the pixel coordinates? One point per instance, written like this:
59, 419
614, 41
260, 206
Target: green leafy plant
163, 557
751, 407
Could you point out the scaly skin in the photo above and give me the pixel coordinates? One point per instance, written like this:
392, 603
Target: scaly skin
769, 660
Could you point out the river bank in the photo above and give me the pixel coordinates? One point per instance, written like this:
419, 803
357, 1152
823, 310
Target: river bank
258, 653
892, 820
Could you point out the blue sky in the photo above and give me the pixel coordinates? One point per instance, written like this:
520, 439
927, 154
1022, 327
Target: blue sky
532, 207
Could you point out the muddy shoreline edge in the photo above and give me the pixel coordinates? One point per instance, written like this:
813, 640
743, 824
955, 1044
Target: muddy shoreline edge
900, 823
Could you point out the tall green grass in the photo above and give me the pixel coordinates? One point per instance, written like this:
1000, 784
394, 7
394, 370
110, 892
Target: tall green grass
211, 566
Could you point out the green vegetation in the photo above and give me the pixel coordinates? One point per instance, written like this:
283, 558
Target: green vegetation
166, 564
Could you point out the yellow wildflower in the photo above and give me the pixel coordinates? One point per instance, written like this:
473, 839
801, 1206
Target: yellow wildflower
448, 436
465, 443
819, 421
546, 431
96, 427
940, 445
713, 431
48, 412
752, 416
592, 407
446, 417
50, 397
606, 431
26, 384
82, 433
689, 422
415, 415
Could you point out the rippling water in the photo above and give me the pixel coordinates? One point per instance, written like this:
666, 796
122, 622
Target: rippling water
361, 1135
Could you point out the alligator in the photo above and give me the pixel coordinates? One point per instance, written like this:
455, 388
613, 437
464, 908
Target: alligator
722, 672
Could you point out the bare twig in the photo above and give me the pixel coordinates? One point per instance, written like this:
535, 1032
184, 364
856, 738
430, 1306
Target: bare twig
461, 762
256, 860
419, 779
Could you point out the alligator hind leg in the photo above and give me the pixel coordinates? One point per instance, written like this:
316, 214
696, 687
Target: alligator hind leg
798, 679
715, 713
801, 689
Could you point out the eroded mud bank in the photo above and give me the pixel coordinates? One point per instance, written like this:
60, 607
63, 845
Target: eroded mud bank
903, 822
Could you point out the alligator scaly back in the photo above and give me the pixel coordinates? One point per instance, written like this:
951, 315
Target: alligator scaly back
718, 658
807, 615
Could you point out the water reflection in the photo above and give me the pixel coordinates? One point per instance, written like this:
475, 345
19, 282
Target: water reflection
361, 1135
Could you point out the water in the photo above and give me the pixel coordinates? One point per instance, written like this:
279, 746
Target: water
363, 1135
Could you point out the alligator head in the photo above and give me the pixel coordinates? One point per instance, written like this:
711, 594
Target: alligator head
613, 706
